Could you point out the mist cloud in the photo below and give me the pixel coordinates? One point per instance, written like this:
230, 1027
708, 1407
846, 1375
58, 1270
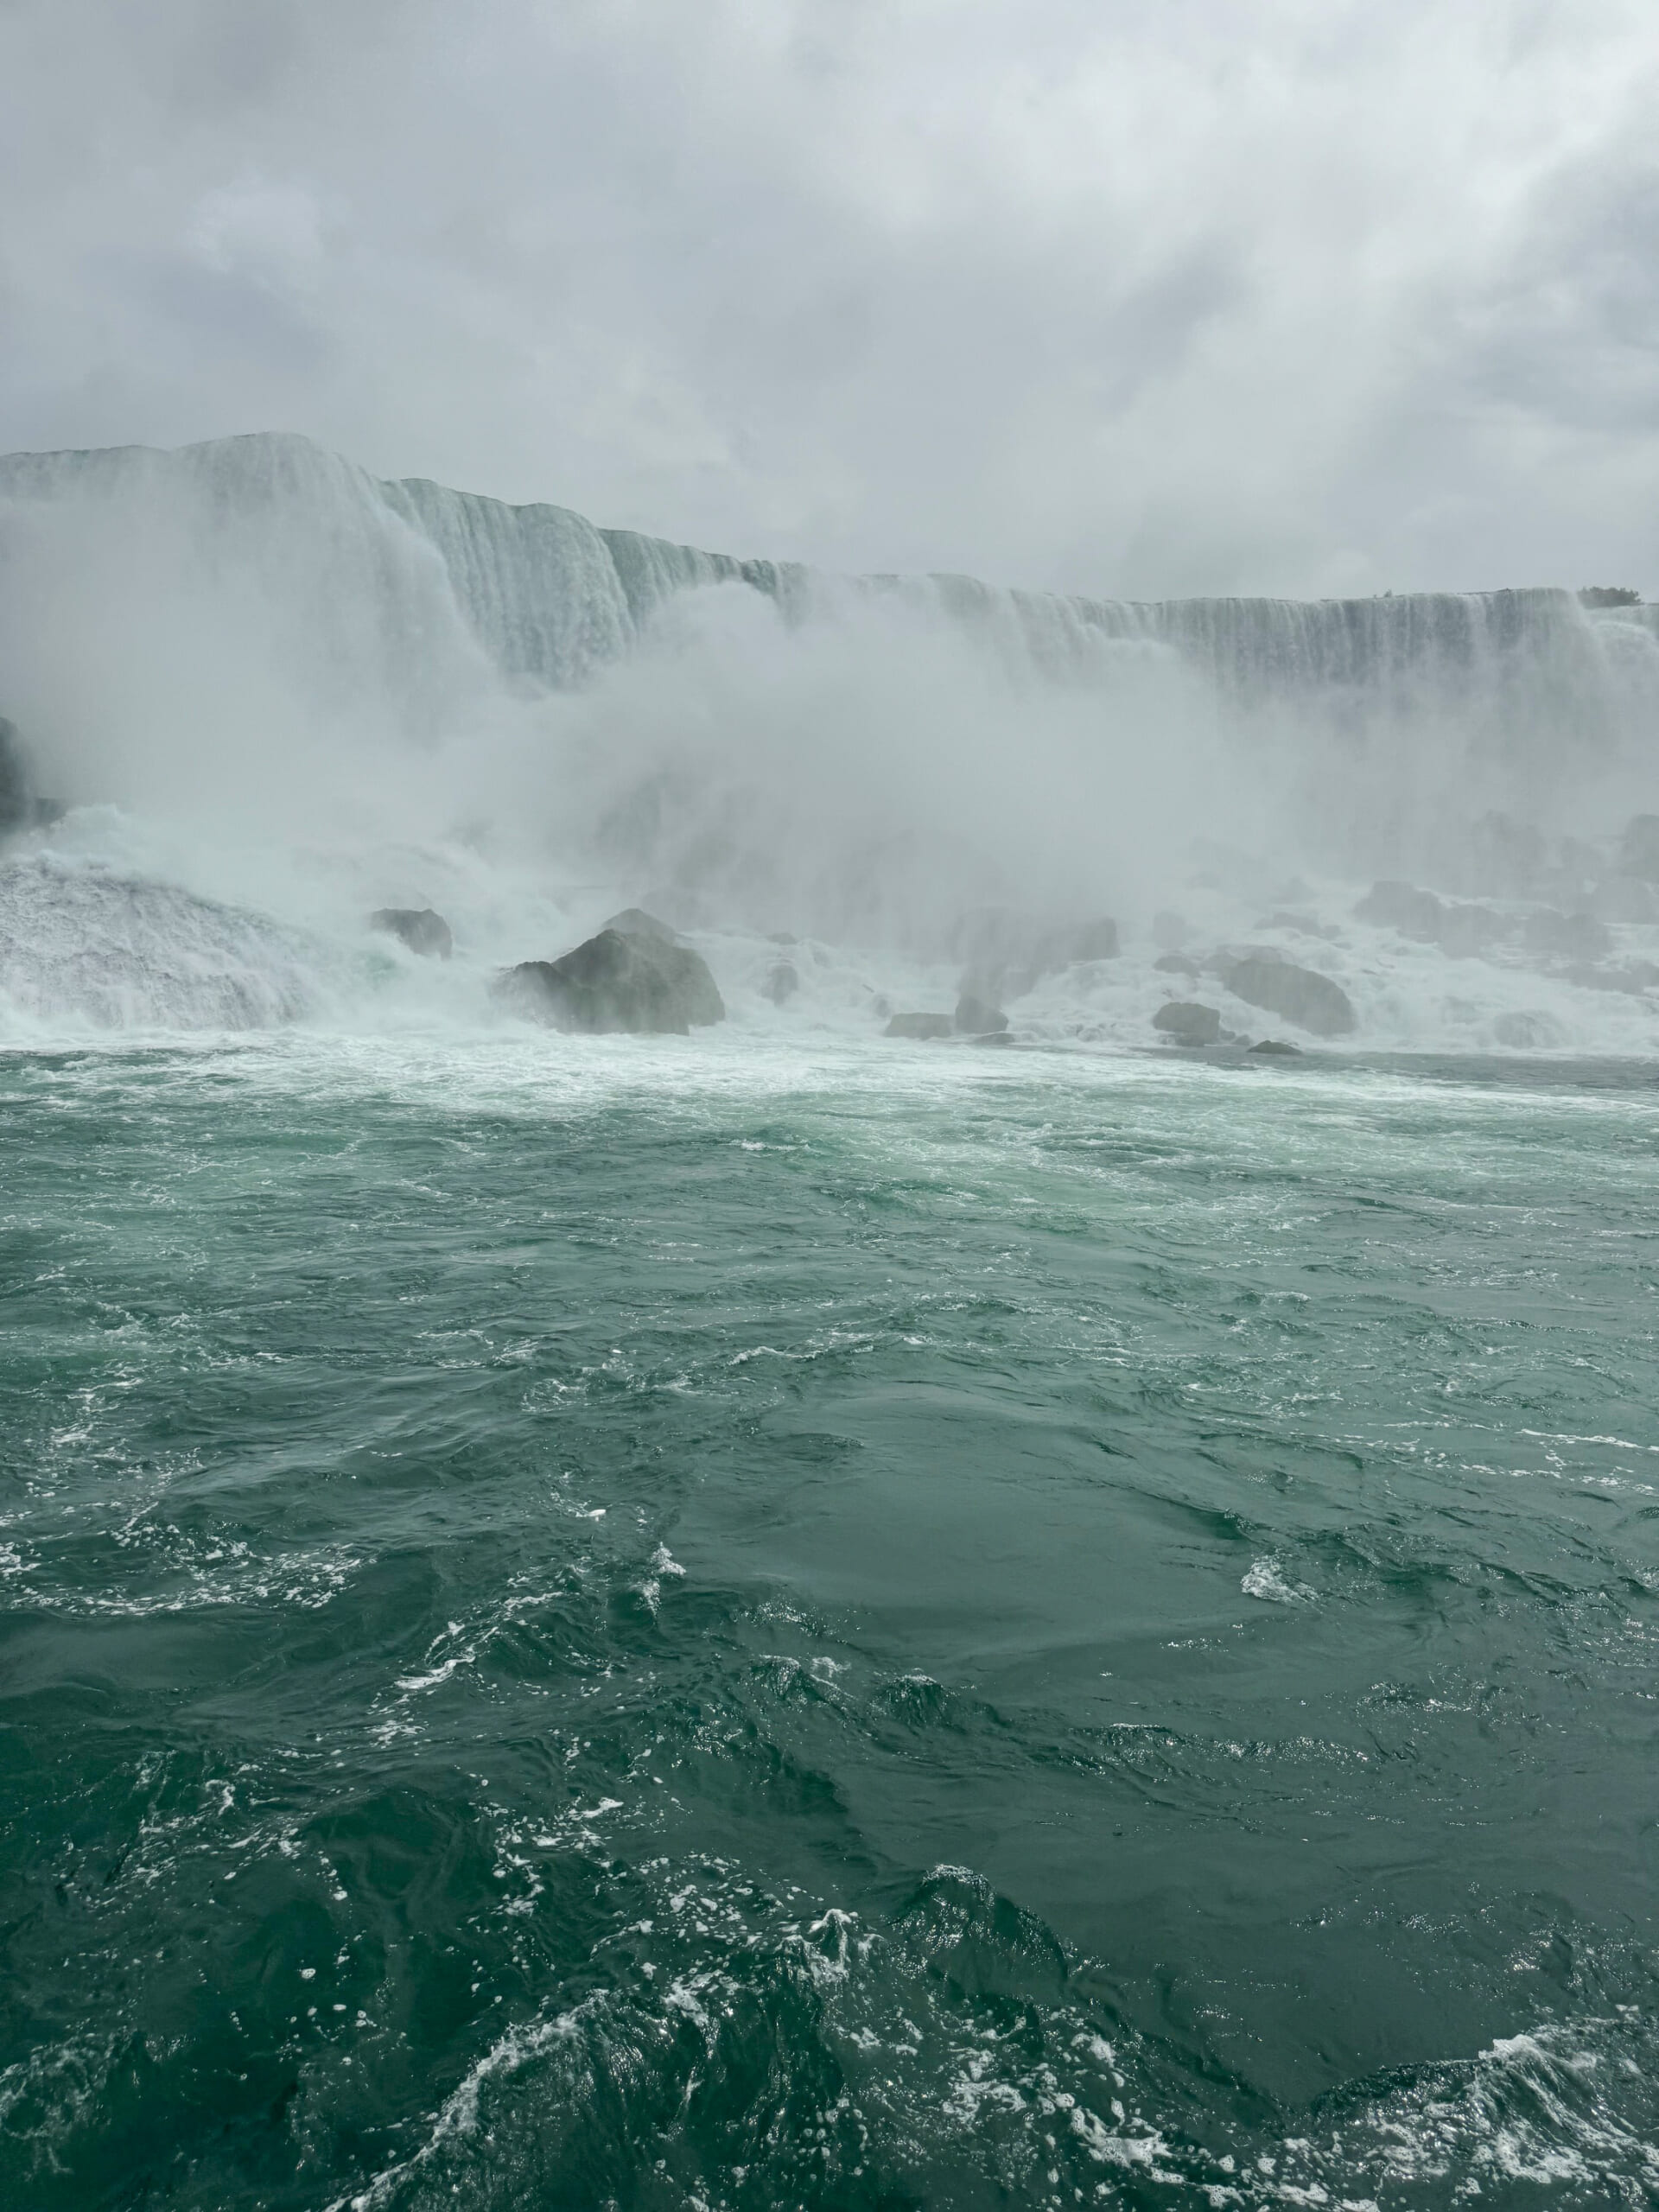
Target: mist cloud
1281, 296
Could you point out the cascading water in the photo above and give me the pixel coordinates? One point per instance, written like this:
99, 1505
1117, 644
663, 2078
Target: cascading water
260, 641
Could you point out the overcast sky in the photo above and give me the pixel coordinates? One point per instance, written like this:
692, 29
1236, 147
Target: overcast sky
1139, 297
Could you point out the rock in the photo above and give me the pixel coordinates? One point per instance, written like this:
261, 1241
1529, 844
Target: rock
1006, 953
976, 1017
919, 1025
1402, 906
1459, 930
1526, 1033
782, 983
634, 921
641, 982
20, 808
1300, 926
1569, 937
16, 796
1634, 980
1188, 1023
418, 927
1178, 963
1274, 1048
1095, 940
1312, 1001
1624, 899
1639, 849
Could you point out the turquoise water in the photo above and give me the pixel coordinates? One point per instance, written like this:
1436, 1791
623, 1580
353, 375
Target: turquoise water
730, 1627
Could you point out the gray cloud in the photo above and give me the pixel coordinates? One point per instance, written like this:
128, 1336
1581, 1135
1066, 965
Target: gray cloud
1279, 294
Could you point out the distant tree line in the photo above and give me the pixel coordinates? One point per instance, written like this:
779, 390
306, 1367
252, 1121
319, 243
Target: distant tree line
1608, 596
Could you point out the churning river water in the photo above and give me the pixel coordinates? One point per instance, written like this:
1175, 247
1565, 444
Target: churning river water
710, 1624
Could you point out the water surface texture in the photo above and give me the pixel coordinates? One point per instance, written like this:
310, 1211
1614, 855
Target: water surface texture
731, 1626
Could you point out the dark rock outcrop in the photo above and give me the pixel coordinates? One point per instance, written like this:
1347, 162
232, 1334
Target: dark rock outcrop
634, 921
1457, 928
977, 1017
1639, 849
1567, 936
919, 1025
16, 796
1188, 1023
420, 928
1178, 963
782, 983
20, 806
1274, 1048
1312, 1001
1528, 1032
1007, 952
640, 981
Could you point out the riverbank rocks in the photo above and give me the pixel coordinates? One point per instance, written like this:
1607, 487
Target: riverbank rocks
633, 978
1458, 927
977, 1017
1639, 849
919, 1026
1312, 1001
17, 799
1188, 1023
421, 929
1566, 936
1007, 952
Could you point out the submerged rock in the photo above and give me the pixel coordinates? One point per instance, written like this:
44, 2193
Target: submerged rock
420, 928
1639, 849
640, 982
1312, 1001
16, 796
976, 1017
1188, 1023
1274, 1048
919, 1025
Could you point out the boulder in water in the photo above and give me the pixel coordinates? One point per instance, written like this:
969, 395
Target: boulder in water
1312, 1001
1188, 1023
1639, 849
919, 1025
977, 1017
1274, 1048
1528, 1032
1007, 952
639, 982
419, 928
1178, 963
634, 921
782, 983
1459, 929
16, 798
1568, 937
